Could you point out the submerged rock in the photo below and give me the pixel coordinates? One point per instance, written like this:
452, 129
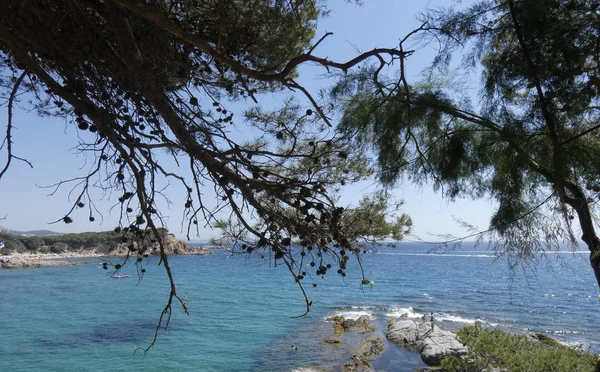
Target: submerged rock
350, 368
332, 340
341, 324
371, 347
433, 345
336, 318
546, 340
352, 324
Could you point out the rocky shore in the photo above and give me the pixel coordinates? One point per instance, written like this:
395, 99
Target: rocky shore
432, 345
431, 342
441, 350
37, 260
352, 335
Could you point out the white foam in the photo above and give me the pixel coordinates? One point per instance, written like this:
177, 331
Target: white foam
352, 314
440, 254
399, 311
577, 345
456, 318
365, 307
564, 332
459, 319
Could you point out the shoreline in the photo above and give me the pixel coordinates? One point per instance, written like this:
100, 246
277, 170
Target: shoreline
393, 348
40, 260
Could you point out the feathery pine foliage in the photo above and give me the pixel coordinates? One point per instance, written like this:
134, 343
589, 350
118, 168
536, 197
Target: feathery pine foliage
531, 142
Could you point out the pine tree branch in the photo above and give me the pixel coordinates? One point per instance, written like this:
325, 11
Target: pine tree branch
9, 127
559, 171
280, 76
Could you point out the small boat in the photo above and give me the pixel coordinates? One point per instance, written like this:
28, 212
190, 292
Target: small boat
120, 276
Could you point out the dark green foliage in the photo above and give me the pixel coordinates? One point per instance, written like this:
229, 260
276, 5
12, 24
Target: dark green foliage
262, 35
102, 242
372, 219
408, 139
34, 243
455, 364
514, 353
58, 247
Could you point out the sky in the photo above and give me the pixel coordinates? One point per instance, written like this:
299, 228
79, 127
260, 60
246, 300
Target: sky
48, 143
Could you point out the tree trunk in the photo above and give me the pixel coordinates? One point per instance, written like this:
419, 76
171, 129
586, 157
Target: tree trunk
591, 239
589, 236
586, 223
595, 259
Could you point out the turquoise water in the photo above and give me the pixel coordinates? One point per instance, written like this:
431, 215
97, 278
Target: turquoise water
78, 319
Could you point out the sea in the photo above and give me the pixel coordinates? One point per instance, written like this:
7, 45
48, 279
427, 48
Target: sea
242, 309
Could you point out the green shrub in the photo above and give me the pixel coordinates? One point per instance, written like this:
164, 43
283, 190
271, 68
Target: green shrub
454, 364
58, 248
515, 353
5, 251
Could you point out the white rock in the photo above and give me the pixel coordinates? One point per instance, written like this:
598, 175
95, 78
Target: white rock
403, 332
439, 344
433, 345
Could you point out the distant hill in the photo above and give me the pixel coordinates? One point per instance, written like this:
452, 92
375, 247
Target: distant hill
31, 233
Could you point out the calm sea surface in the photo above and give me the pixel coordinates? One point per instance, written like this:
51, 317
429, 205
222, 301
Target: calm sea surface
78, 319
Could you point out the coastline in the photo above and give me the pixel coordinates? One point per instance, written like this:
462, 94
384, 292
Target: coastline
411, 345
40, 260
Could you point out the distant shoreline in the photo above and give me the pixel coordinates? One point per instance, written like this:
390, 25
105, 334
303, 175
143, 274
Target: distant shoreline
39, 260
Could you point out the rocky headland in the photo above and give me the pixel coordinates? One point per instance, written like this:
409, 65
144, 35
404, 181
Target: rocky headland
172, 247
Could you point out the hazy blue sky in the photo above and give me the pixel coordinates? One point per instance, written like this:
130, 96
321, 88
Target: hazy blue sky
48, 143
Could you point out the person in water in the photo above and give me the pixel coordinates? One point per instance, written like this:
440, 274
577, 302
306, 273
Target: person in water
355, 362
